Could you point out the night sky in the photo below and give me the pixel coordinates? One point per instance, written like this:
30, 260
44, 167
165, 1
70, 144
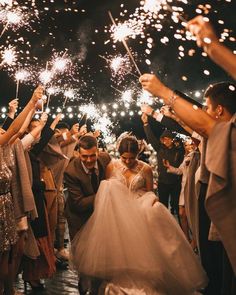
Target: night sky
79, 27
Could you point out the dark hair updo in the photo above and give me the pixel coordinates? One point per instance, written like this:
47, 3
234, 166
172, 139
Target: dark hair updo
128, 144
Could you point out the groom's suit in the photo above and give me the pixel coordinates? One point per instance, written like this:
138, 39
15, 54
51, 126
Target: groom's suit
79, 204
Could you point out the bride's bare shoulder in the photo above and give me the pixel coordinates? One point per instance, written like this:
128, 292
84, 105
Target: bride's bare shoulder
144, 165
110, 167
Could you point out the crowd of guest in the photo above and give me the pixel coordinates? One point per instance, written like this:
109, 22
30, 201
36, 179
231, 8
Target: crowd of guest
196, 177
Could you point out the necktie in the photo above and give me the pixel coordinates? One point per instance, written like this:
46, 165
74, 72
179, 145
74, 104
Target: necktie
94, 180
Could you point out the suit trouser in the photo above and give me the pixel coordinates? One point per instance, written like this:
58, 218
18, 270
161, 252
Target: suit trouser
211, 251
170, 191
61, 221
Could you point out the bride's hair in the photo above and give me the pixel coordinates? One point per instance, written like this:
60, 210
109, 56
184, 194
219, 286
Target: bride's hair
128, 144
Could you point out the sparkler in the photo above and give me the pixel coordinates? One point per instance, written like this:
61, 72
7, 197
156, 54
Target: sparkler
68, 95
104, 124
154, 6
12, 18
8, 56
60, 63
6, 2
50, 91
122, 39
145, 98
116, 65
91, 111
19, 76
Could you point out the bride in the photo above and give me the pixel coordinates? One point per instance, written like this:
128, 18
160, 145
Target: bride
131, 241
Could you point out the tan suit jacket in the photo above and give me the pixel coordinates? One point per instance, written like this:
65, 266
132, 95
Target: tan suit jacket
79, 204
221, 194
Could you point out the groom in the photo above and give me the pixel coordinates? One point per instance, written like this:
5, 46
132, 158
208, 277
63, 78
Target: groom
82, 178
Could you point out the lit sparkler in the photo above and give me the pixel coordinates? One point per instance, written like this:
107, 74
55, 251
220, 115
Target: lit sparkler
127, 29
145, 98
120, 65
125, 44
50, 91
8, 56
90, 110
104, 125
20, 75
6, 2
69, 94
11, 18
127, 96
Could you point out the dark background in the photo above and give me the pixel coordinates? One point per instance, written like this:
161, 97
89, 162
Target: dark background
73, 24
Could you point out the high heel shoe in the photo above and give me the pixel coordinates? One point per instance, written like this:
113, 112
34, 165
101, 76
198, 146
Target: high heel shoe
35, 285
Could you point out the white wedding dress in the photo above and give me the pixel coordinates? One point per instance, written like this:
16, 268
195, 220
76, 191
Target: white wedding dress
133, 243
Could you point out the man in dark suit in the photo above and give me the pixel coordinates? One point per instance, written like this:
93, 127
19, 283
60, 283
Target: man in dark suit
82, 178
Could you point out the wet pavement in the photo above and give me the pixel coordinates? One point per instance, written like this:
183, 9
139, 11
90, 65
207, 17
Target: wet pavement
64, 282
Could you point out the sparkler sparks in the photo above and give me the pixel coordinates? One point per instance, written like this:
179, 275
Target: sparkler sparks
9, 56
6, 2
21, 75
90, 110
129, 28
45, 76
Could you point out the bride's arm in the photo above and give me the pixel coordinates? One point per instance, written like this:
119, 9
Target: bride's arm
149, 178
109, 169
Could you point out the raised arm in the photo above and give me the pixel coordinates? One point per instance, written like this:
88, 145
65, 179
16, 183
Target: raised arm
18, 122
193, 116
207, 39
167, 119
152, 139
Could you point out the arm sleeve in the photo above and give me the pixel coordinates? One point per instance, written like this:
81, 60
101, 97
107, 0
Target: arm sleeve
7, 123
152, 139
27, 141
79, 203
174, 170
46, 135
173, 125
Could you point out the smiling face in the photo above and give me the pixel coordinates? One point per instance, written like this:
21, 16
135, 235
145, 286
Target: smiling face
89, 157
129, 159
167, 141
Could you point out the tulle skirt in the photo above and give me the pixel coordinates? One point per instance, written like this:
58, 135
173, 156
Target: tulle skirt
131, 237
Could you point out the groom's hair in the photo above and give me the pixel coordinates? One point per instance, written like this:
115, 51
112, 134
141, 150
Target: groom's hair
87, 142
224, 94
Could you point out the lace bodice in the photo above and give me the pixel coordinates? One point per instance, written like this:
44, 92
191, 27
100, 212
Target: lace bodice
136, 181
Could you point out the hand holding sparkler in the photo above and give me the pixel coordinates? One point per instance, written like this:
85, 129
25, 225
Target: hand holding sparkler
74, 129
13, 105
96, 133
203, 30
153, 85
56, 121
145, 108
83, 130
43, 118
144, 119
206, 38
37, 95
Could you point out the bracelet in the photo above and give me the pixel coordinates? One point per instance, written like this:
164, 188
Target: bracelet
145, 124
172, 99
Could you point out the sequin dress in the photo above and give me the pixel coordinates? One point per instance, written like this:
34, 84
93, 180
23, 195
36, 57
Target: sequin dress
8, 234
